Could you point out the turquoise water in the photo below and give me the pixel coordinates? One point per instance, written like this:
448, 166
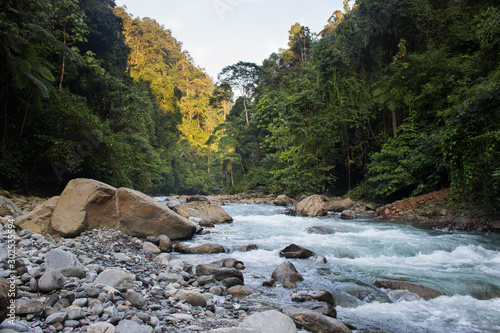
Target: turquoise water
463, 266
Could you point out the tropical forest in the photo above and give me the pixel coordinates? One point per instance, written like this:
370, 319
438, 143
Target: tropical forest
392, 99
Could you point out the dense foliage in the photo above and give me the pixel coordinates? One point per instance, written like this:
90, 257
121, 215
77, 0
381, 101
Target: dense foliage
89, 91
393, 98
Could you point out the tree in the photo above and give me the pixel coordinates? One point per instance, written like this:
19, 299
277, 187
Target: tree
243, 77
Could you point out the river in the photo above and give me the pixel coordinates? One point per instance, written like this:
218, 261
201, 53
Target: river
464, 266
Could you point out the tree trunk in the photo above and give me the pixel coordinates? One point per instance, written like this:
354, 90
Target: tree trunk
62, 66
394, 123
246, 111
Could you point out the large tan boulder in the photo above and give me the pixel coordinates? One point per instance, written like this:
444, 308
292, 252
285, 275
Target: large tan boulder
339, 205
204, 210
39, 219
312, 206
283, 200
85, 204
142, 216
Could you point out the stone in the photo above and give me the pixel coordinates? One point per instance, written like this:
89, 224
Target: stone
182, 316
321, 307
101, 328
150, 247
321, 230
192, 297
235, 330
142, 216
287, 274
422, 291
296, 252
313, 295
207, 248
311, 206
8, 207
247, 248
241, 291
50, 281
271, 321
208, 212
170, 277
348, 215
136, 299
194, 198
57, 317
283, 200
339, 205
165, 243
113, 277
39, 219
230, 282
230, 263
65, 263
123, 257
314, 321
218, 272
163, 258
5, 298
85, 204
26, 306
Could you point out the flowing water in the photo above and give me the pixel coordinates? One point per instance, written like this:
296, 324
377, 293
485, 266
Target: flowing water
463, 266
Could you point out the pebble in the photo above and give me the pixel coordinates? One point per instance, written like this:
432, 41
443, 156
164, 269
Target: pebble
113, 284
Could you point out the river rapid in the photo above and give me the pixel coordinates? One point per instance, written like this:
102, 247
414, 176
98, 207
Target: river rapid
463, 266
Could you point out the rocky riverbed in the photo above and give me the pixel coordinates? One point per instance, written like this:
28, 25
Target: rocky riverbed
106, 281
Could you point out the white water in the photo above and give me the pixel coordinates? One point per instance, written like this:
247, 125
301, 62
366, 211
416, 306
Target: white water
464, 266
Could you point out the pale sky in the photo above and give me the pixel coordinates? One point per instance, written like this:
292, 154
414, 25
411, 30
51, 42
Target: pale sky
218, 33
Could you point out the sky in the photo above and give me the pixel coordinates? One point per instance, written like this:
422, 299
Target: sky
218, 33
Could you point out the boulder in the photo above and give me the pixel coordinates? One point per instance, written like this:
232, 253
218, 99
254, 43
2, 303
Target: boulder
194, 198
193, 215
348, 215
287, 274
314, 321
85, 204
65, 263
39, 219
142, 216
271, 321
7, 207
321, 230
296, 252
128, 326
4, 298
206, 211
208, 248
313, 295
424, 292
283, 200
311, 206
231, 282
219, 273
322, 307
339, 205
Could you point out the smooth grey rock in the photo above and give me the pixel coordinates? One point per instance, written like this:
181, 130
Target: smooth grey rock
136, 299
150, 247
57, 317
123, 257
271, 321
348, 215
50, 281
27, 306
129, 326
314, 321
113, 277
64, 262
101, 328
